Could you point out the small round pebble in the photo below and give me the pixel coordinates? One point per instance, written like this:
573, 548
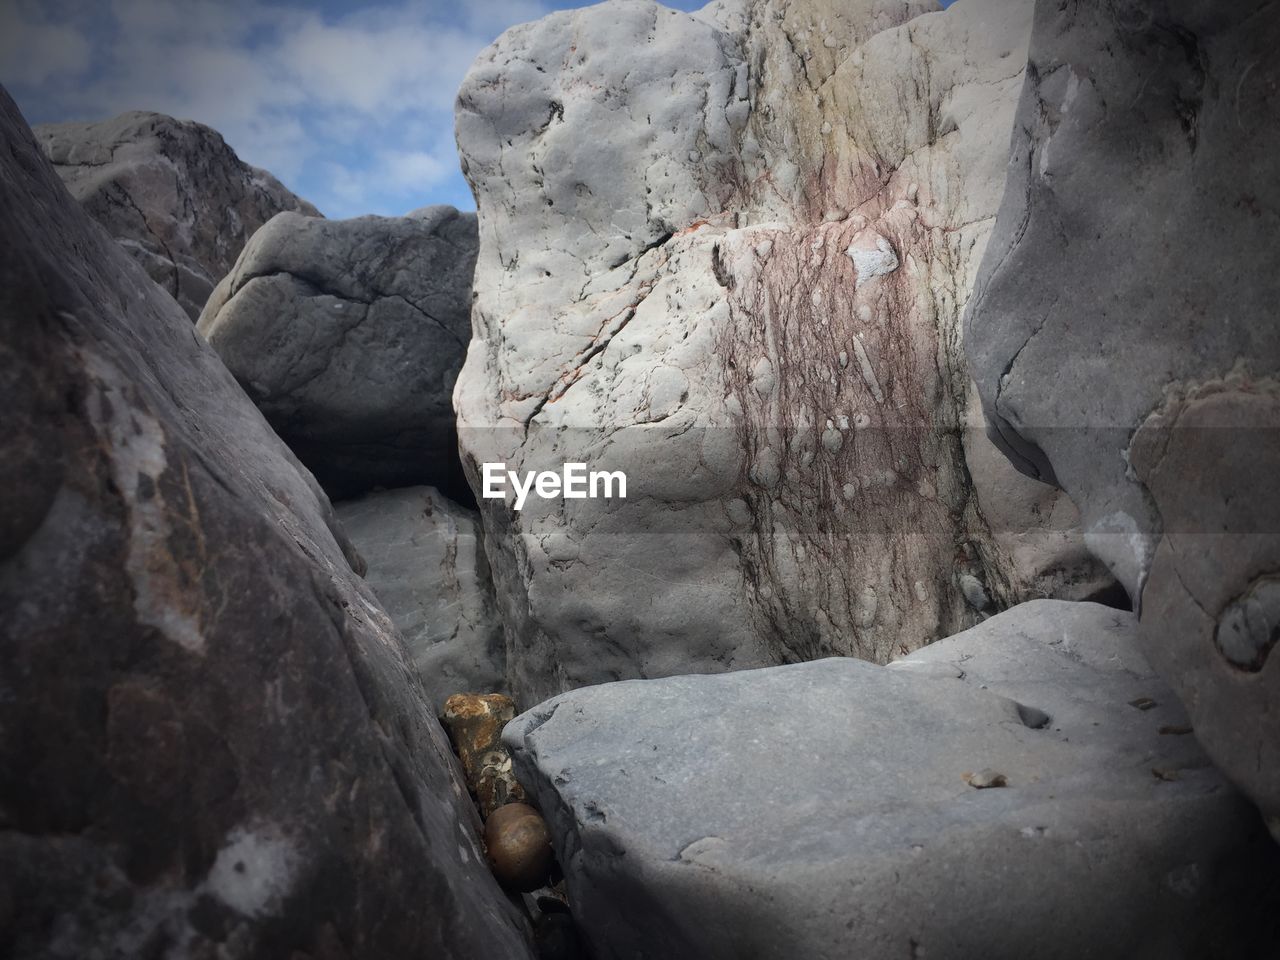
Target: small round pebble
519, 847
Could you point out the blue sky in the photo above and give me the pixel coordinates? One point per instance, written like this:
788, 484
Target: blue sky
350, 104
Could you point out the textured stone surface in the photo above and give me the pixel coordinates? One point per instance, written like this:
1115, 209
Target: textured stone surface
211, 740
172, 192
349, 335
1141, 369
828, 809
426, 563
475, 723
726, 254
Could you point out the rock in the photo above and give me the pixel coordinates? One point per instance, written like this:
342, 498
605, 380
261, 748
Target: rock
475, 723
349, 335
518, 846
725, 254
818, 809
427, 566
1141, 370
985, 779
171, 192
211, 740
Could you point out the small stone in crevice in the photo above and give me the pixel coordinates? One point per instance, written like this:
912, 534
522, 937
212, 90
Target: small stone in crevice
518, 847
475, 722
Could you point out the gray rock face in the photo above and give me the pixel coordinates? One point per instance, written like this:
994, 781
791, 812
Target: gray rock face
211, 739
426, 563
725, 254
1141, 369
842, 809
349, 335
172, 192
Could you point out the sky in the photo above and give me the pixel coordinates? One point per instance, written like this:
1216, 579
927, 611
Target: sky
350, 104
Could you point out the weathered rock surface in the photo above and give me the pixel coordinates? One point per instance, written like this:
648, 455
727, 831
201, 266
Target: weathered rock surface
828, 809
349, 335
172, 192
426, 563
211, 740
726, 254
475, 722
1140, 370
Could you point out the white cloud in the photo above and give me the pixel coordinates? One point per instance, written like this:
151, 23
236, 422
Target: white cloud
358, 106
417, 168
33, 53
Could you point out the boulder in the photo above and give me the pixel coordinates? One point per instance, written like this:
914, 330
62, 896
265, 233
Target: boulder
426, 564
726, 254
1028, 788
349, 335
212, 742
171, 192
1139, 369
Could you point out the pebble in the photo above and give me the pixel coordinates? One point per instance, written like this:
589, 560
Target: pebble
518, 847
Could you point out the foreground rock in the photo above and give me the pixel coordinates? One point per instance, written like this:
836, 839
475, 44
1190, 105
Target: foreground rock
172, 192
829, 809
725, 254
1141, 370
426, 564
349, 335
211, 739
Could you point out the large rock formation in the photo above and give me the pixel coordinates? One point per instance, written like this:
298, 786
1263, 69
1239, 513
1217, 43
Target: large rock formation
1024, 789
1124, 335
211, 740
726, 254
171, 192
349, 335
426, 563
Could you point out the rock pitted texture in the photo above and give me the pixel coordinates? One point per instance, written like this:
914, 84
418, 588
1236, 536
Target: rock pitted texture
829, 809
171, 192
211, 740
349, 335
426, 563
726, 254
1140, 370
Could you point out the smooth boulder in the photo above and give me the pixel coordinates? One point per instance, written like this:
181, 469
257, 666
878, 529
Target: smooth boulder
1139, 368
171, 192
349, 335
212, 742
426, 564
1027, 788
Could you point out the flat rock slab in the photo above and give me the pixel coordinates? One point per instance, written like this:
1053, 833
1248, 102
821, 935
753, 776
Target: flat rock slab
830, 809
